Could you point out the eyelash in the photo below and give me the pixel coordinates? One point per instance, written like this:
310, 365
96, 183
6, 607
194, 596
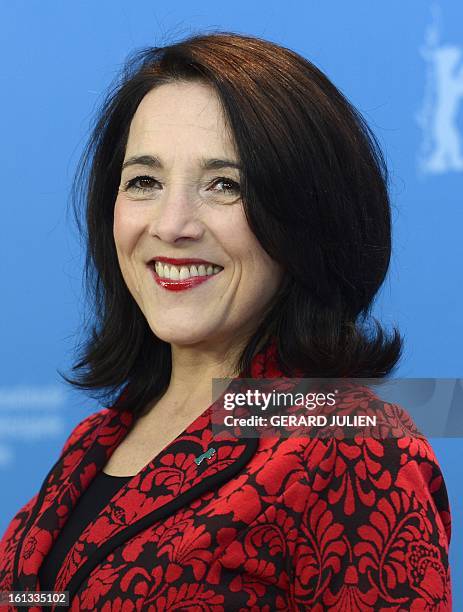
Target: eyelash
132, 183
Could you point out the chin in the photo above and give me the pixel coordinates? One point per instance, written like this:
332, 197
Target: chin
180, 337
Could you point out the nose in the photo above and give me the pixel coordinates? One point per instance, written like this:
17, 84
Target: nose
176, 215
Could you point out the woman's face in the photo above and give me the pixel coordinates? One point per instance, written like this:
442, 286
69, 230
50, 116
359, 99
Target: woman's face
179, 199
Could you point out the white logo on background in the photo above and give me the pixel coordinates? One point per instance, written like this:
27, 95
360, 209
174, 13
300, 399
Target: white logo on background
29, 414
442, 144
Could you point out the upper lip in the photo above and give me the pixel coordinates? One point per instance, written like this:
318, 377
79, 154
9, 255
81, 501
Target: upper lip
182, 261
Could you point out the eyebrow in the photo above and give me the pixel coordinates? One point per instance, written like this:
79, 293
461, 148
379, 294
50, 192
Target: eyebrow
206, 164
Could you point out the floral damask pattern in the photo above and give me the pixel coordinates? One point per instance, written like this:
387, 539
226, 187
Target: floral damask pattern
328, 524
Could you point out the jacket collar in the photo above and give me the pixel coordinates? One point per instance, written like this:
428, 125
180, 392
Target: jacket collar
170, 481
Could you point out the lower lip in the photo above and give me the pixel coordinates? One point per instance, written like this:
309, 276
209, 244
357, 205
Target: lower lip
180, 285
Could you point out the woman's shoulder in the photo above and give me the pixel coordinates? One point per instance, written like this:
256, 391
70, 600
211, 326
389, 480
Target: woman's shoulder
93, 420
391, 463
87, 424
379, 509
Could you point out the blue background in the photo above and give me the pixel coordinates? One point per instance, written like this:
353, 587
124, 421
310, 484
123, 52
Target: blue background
57, 60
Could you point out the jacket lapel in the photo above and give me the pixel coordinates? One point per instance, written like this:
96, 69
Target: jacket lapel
168, 483
173, 479
60, 491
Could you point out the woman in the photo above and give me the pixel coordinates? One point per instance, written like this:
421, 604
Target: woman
239, 226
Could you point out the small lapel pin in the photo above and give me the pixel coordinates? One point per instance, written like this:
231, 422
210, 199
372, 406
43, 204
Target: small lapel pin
207, 455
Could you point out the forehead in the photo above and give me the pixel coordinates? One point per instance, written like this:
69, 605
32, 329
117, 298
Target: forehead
180, 113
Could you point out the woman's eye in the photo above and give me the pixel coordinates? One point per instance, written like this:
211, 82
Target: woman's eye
145, 184
141, 184
226, 185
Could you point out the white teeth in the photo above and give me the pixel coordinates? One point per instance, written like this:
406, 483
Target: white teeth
184, 272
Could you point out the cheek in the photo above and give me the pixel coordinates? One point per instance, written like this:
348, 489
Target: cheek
268, 278
260, 274
259, 261
126, 232
126, 227
267, 274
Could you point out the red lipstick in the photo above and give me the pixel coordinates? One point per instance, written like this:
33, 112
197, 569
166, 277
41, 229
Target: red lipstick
187, 283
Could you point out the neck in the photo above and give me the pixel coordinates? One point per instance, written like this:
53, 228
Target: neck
190, 389
194, 367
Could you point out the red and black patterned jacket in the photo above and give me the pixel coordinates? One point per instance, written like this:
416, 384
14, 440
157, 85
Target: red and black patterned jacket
264, 524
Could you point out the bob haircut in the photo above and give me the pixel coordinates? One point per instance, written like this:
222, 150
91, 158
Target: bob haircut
315, 194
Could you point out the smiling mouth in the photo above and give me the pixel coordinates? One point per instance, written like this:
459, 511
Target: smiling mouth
182, 277
184, 272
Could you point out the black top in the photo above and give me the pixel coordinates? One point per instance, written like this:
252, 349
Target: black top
91, 502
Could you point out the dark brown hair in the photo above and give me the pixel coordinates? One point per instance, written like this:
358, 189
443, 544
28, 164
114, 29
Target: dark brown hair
315, 193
